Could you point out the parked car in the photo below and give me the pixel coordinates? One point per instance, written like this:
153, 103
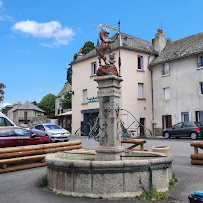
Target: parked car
184, 129
5, 121
14, 136
53, 131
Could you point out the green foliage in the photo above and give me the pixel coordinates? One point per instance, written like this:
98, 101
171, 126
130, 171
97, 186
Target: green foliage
48, 105
153, 194
75, 56
88, 46
35, 103
172, 182
42, 181
66, 101
2, 86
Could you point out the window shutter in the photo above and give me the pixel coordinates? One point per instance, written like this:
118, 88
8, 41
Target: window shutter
140, 90
180, 117
190, 116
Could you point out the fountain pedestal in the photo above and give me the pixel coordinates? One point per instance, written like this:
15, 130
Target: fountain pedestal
109, 95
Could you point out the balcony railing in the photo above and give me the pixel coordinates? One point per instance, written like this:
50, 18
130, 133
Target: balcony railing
25, 118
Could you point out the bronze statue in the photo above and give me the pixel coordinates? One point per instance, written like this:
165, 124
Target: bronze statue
104, 47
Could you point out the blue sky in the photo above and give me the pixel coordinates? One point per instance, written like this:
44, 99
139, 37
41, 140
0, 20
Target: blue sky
38, 38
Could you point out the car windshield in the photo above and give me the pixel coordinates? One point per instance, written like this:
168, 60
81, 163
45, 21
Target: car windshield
14, 132
51, 127
199, 124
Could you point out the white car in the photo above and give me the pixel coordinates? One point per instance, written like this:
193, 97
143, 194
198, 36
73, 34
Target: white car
5, 121
53, 131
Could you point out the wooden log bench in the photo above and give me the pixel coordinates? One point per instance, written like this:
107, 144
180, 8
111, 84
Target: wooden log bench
24, 157
197, 158
135, 143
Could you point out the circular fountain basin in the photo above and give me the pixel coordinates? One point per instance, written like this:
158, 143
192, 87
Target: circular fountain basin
79, 174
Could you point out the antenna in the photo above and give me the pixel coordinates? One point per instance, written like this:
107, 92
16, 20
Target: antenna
160, 30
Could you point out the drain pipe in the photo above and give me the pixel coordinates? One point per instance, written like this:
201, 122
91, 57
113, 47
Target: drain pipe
152, 94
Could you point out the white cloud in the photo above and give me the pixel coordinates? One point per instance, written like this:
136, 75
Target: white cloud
51, 29
2, 105
1, 3
6, 18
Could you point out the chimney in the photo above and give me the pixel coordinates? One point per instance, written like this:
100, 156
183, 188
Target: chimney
80, 54
159, 42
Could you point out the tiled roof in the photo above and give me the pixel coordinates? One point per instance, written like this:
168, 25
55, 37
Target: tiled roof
27, 105
65, 88
128, 42
180, 48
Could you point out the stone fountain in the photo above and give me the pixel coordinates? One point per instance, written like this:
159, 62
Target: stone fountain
110, 171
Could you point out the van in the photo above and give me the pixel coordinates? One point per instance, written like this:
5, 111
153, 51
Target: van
5, 121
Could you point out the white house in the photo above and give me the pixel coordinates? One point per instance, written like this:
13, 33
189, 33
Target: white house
136, 54
178, 82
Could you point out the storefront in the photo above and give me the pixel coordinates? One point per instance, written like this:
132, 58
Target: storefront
65, 120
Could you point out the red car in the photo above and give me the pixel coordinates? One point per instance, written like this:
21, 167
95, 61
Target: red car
14, 136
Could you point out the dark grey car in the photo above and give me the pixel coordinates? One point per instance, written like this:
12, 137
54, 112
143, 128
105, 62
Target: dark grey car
184, 129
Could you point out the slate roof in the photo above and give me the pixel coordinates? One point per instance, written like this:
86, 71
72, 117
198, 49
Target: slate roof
28, 106
65, 88
128, 42
180, 48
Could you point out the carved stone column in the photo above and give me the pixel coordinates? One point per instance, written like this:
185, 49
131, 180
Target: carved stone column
109, 115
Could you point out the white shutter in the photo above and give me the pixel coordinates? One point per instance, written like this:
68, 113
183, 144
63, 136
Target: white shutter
180, 117
190, 116
140, 90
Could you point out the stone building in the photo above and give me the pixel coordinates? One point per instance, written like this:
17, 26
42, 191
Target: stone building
23, 113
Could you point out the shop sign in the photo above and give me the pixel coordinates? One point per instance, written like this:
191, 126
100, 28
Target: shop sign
93, 99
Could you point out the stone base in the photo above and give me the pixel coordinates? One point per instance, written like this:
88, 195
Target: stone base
107, 179
109, 153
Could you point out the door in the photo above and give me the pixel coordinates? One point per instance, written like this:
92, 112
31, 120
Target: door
142, 124
166, 121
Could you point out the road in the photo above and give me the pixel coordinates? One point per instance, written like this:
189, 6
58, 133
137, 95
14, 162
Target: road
20, 186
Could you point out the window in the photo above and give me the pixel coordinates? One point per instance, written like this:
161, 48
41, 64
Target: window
201, 88
140, 90
200, 61
166, 69
185, 117
178, 125
25, 115
199, 116
94, 68
85, 96
4, 122
166, 93
189, 125
140, 62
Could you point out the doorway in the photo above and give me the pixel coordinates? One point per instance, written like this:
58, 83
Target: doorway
142, 124
166, 121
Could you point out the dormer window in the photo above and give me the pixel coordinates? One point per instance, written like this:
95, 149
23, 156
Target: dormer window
166, 69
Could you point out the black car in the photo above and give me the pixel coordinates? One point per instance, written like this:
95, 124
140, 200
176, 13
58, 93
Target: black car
184, 129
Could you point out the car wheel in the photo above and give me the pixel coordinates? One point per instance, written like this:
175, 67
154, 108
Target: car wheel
166, 135
194, 136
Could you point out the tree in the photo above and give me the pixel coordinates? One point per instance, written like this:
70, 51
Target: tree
88, 46
2, 86
48, 105
35, 103
66, 101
